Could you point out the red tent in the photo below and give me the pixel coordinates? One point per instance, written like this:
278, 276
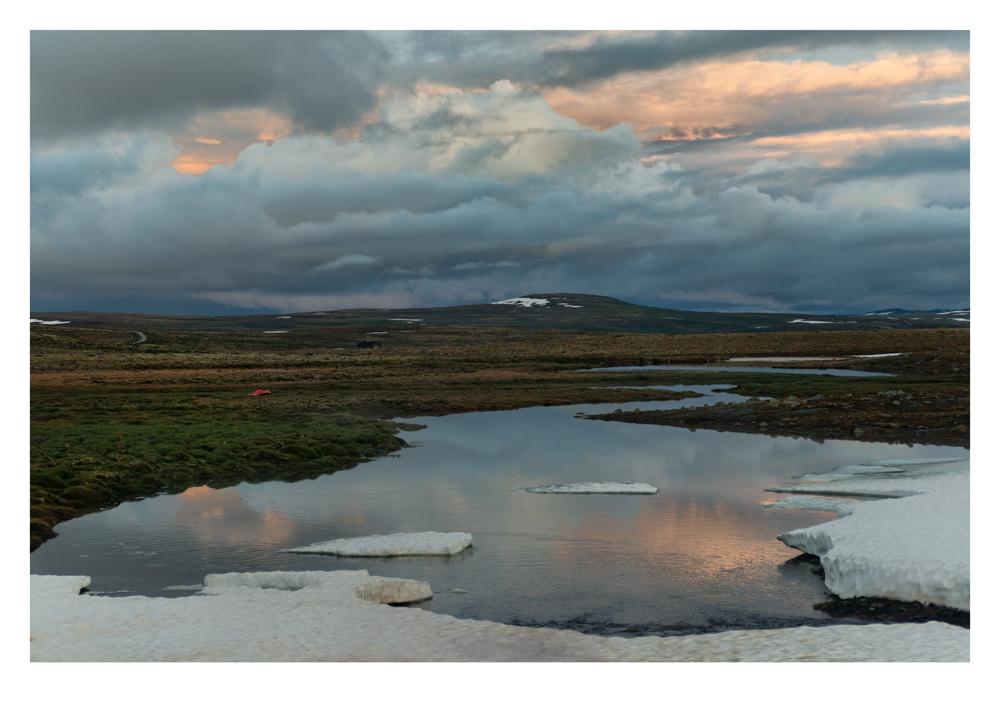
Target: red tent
259, 392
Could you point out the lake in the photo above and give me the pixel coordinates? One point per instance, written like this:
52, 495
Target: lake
700, 555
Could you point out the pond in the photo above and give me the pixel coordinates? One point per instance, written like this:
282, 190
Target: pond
699, 555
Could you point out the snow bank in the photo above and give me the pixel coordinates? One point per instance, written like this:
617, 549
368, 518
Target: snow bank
318, 616
427, 543
882, 354
596, 488
915, 547
49, 323
526, 303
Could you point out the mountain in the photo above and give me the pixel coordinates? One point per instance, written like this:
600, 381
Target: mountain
904, 311
567, 311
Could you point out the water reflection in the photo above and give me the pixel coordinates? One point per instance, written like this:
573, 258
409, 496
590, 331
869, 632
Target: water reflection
701, 552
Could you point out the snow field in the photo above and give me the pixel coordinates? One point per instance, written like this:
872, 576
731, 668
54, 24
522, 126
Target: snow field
426, 543
318, 616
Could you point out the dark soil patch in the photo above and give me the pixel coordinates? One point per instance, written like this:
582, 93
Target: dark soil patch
880, 609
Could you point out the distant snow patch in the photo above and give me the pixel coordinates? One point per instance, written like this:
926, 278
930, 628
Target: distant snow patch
49, 323
570, 306
596, 488
407, 320
523, 302
802, 320
274, 331
962, 319
881, 355
284, 316
378, 332
427, 543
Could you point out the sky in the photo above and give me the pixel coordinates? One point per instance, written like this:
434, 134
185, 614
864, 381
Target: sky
219, 172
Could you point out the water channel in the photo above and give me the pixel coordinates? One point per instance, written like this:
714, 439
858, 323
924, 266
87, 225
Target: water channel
700, 555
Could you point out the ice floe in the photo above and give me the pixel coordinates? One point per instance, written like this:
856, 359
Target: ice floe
330, 616
426, 543
49, 323
820, 504
595, 488
781, 359
851, 471
914, 547
524, 302
899, 462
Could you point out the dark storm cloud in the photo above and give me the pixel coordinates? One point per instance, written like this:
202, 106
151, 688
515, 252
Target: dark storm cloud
215, 236
291, 203
907, 160
84, 82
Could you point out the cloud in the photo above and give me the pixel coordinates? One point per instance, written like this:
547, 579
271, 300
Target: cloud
740, 95
485, 195
346, 261
578, 59
87, 82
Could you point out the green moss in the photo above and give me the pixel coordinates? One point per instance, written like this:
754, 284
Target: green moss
83, 494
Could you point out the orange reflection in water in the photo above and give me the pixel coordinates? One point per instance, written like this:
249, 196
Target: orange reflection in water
222, 515
706, 540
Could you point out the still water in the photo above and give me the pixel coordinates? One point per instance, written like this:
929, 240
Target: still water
700, 555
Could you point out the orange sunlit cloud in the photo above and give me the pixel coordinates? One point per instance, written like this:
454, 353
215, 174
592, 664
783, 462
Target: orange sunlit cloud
834, 147
728, 94
233, 131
